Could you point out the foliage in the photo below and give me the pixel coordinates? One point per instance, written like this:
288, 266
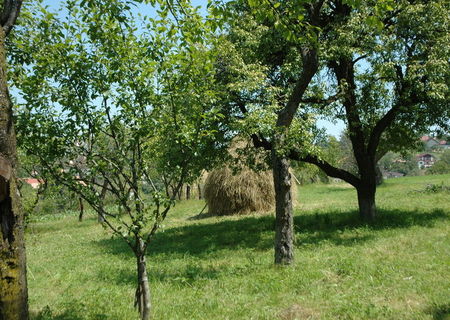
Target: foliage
262, 64
307, 173
435, 188
442, 165
104, 102
50, 200
405, 163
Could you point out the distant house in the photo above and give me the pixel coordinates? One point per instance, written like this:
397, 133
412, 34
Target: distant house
433, 143
444, 144
425, 160
34, 183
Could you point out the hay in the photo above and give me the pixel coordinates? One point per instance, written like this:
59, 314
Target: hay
245, 192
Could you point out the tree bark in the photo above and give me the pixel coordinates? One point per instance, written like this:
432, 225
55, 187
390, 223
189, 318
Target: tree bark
80, 216
379, 175
143, 289
284, 221
188, 192
366, 200
199, 187
13, 282
100, 218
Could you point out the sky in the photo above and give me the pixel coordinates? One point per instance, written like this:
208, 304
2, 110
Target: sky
334, 129
331, 128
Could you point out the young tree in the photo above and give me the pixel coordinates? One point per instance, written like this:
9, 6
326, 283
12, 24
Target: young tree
108, 106
13, 284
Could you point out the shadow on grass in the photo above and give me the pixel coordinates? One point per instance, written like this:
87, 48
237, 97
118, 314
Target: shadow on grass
69, 313
440, 312
42, 227
329, 189
204, 238
186, 275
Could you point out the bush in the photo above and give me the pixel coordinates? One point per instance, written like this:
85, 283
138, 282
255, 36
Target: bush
50, 201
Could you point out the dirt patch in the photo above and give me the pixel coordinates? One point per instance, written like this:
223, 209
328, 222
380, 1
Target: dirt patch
298, 312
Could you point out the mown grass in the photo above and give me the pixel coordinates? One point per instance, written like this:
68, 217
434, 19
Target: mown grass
222, 268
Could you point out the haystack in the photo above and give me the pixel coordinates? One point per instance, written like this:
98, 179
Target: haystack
245, 192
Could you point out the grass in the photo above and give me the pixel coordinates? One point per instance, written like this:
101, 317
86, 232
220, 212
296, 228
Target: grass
222, 267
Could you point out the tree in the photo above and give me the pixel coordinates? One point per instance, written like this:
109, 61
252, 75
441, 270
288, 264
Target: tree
13, 284
108, 106
380, 66
249, 71
442, 166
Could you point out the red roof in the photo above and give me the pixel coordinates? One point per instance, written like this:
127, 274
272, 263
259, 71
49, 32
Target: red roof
32, 181
425, 138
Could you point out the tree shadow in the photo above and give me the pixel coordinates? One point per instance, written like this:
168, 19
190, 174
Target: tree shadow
185, 275
205, 238
440, 312
69, 313
330, 226
41, 227
201, 239
333, 189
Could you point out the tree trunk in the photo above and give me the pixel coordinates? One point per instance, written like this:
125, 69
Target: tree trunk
143, 289
80, 216
366, 201
100, 218
188, 192
13, 282
284, 222
199, 187
379, 175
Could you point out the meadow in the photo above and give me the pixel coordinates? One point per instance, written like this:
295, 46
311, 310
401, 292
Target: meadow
204, 267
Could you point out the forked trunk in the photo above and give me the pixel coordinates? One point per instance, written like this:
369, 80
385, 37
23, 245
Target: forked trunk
366, 202
13, 282
284, 222
143, 289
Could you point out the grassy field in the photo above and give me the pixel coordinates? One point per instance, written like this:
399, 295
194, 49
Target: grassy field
222, 268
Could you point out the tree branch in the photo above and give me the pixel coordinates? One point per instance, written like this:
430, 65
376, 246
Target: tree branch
8, 17
326, 101
310, 67
326, 167
389, 117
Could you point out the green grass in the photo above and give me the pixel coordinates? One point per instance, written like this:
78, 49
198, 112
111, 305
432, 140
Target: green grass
222, 268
